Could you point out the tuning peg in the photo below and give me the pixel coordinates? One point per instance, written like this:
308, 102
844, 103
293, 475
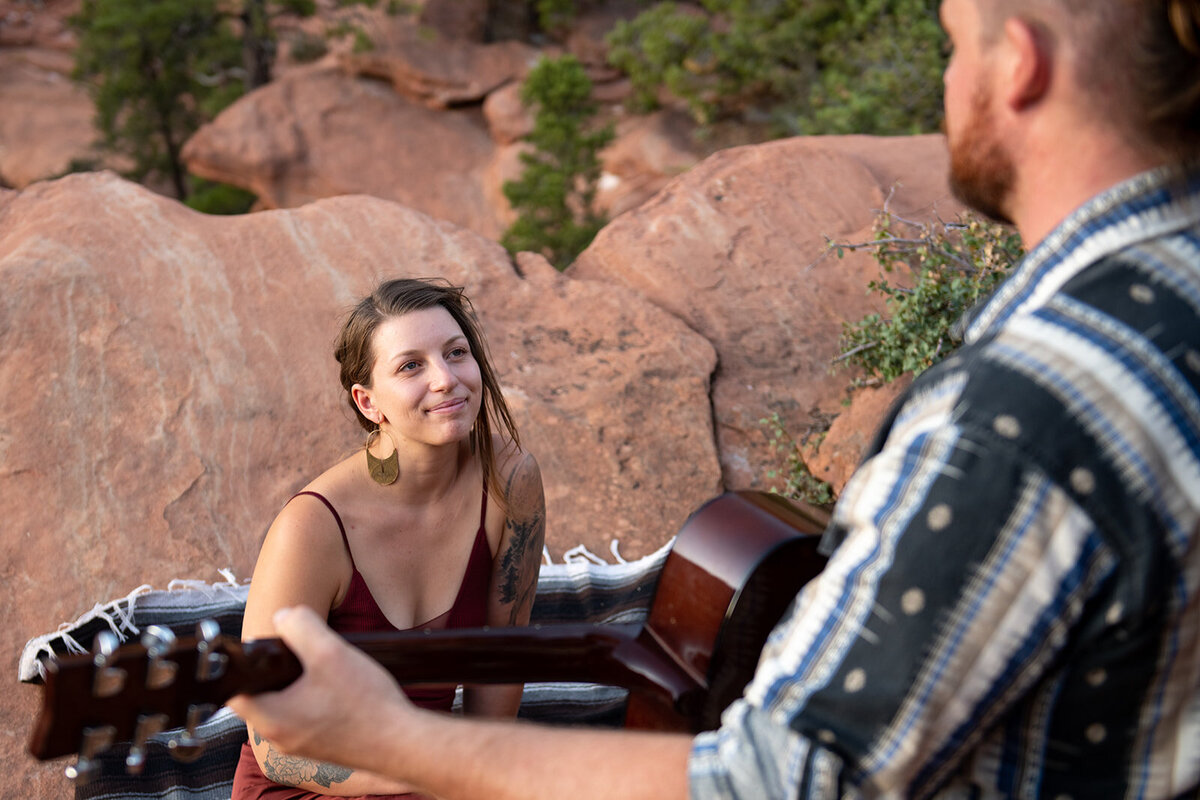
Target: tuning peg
210, 665
187, 747
95, 741
108, 680
158, 641
148, 725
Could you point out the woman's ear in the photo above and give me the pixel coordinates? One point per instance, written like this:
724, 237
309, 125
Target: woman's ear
1031, 63
365, 403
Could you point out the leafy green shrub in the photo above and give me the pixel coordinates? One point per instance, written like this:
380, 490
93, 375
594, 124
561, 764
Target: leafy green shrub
352, 22
210, 197
397, 8
953, 266
307, 47
799, 482
555, 195
664, 47
809, 66
554, 15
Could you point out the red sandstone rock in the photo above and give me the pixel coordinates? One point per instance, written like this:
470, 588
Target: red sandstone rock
736, 248
839, 453
169, 383
456, 19
319, 133
588, 30
507, 117
436, 71
646, 154
40, 24
46, 118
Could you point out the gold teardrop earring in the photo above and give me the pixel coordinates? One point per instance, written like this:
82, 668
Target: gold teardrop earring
384, 471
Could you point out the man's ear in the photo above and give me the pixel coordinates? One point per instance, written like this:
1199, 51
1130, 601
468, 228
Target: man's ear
366, 404
1030, 63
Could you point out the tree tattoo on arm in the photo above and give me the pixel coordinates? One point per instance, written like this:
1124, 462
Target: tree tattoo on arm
527, 530
293, 771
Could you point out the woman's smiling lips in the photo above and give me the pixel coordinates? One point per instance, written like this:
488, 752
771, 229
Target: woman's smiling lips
449, 406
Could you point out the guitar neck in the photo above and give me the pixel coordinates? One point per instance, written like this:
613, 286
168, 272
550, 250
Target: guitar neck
615, 655
735, 566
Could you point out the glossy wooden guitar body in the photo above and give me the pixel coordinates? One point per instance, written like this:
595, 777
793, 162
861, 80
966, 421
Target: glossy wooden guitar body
735, 567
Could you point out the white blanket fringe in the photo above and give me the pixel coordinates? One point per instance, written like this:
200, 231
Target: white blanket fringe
118, 615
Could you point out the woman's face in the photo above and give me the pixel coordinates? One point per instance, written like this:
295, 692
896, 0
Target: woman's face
425, 381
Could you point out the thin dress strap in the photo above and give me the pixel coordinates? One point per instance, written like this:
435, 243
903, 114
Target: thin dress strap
336, 518
483, 514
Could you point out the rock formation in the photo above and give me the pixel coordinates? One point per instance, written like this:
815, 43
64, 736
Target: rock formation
437, 71
169, 384
168, 375
738, 248
319, 132
47, 119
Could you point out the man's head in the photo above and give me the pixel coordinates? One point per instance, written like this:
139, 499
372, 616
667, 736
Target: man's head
1128, 70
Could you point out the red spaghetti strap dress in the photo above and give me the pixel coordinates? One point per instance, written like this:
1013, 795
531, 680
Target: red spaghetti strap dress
359, 613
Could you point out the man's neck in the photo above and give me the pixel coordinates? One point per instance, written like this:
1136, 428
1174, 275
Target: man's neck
1065, 175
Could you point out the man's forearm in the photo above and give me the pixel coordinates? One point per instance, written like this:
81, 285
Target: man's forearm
461, 759
347, 709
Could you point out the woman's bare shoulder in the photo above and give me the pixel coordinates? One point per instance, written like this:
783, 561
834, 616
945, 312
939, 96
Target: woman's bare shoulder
517, 467
312, 517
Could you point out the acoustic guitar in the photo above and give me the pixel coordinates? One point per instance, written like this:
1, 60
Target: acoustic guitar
733, 570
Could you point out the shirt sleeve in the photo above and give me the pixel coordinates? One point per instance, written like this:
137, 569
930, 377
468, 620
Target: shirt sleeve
961, 571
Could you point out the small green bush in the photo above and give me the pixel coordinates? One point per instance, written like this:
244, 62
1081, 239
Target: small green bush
948, 268
554, 197
808, 66
397, 8
210, 197
307, 47
952, 266
799, 482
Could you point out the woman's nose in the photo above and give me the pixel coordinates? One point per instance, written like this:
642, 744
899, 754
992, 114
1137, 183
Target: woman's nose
441, 376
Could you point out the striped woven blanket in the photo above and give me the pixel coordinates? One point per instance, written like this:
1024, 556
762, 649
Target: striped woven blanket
584, 589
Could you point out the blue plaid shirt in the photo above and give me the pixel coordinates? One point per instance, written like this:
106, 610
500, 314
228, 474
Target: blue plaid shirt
1013, 609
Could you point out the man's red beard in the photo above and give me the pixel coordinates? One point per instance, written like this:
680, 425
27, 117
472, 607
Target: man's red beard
982, 173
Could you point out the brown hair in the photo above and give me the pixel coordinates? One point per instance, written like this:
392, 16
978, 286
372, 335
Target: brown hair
1167, 64
1139, 60
355, 354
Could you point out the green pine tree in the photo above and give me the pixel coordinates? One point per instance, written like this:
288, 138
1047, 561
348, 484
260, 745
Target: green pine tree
555, 195
259, 43
157, 70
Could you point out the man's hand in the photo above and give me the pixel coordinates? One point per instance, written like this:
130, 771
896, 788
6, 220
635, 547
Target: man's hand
348, 710
333, 712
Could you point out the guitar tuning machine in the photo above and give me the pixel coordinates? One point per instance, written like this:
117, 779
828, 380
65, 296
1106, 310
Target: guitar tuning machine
148, 725
158, 641
95, 741
108, 680
188, 747
210, 665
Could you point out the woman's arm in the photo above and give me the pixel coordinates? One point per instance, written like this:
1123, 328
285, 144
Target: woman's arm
514, 574
301, 564
362, 716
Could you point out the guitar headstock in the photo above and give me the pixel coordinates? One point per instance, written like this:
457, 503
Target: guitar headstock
133, 692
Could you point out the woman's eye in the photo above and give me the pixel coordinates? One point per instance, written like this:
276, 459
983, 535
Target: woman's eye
409, 366
458, 352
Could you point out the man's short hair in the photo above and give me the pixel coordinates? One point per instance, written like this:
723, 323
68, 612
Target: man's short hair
1138, 61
